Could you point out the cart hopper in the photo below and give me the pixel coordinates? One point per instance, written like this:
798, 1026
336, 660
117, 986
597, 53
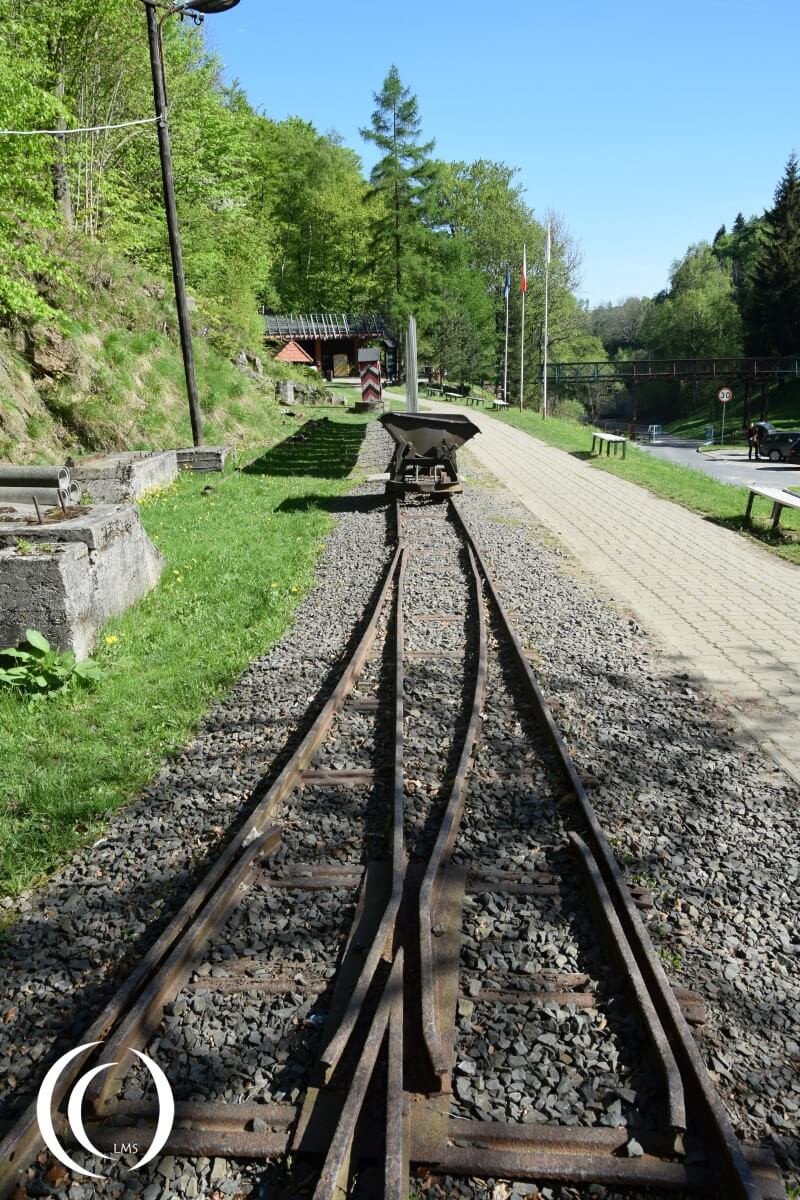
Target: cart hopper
425, 453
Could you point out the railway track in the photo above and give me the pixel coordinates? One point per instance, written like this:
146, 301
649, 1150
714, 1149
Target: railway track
419, 956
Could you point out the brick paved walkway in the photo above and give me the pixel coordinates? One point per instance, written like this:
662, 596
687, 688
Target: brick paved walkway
723, 607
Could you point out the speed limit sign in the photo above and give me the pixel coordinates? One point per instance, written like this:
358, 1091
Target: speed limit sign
724, 395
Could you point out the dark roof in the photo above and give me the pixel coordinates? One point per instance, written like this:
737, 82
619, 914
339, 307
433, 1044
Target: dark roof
326, 325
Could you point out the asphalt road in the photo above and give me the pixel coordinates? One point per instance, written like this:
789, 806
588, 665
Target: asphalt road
729, 466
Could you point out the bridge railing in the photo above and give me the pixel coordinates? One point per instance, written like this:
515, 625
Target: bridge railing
634, 370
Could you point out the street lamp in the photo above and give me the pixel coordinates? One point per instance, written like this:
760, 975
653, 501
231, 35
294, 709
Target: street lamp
196, 10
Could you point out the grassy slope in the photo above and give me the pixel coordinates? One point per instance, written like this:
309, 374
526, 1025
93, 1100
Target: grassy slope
109, 375
720, 502
238, 561
784, 412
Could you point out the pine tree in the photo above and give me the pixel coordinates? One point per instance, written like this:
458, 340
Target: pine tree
775, 322
739, 223
402, 183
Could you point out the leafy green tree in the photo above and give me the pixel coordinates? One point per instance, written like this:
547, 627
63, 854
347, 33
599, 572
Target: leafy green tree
775, 315
313, 198
402, 180
461, 340
26, 203
698, 317
619, 326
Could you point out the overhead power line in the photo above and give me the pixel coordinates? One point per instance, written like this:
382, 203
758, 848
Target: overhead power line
85, 129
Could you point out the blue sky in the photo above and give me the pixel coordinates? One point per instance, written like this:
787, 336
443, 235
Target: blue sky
644, 125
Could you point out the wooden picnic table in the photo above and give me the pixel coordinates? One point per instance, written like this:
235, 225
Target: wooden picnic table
610, 439
780, 500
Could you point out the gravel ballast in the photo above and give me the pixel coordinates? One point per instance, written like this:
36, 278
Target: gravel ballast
72, 940
695, 814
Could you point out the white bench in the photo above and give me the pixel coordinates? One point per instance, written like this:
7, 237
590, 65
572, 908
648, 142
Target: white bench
610, 439
780, 500
498, 403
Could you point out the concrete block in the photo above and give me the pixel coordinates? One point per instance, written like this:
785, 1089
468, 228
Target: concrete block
115, 478
78, 575
203, 458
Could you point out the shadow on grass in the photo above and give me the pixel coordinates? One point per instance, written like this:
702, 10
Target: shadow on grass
323, 448
776, 539
332, 504
583, 455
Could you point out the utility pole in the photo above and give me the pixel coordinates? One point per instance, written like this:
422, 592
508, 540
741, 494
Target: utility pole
181, 300
523, 288
546, 306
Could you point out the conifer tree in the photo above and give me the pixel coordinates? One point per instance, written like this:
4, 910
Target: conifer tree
775, 321
402, 181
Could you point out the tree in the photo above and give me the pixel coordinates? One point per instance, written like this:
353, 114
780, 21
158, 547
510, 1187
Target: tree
402, 182
698, 317
741, 249
775, 319
619, 326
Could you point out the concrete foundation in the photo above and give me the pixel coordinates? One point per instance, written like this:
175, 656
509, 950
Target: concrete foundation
116, 478
203, 458
74, 575
290, 393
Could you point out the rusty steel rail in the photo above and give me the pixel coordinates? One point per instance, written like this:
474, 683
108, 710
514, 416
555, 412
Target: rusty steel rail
336, 1044
388, 1009
430, 889
332, 1182
132, 1010
734, 1169
664, 1056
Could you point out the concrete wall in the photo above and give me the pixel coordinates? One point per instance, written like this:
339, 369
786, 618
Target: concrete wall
116, 478
79, 575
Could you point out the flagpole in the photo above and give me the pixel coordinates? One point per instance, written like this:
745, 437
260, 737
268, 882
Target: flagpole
522, 350
546, 299
505, 356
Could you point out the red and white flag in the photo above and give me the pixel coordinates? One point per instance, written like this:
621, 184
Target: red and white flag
523, 287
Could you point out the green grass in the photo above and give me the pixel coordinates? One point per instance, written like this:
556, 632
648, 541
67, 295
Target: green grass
783, 412
722, 503
238, 562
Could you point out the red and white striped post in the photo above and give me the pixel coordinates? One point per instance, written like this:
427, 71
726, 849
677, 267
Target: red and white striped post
369, 369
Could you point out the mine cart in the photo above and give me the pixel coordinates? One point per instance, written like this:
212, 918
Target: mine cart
425, 454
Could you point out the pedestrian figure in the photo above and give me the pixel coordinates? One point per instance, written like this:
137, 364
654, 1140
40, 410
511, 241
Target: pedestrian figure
752, 441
